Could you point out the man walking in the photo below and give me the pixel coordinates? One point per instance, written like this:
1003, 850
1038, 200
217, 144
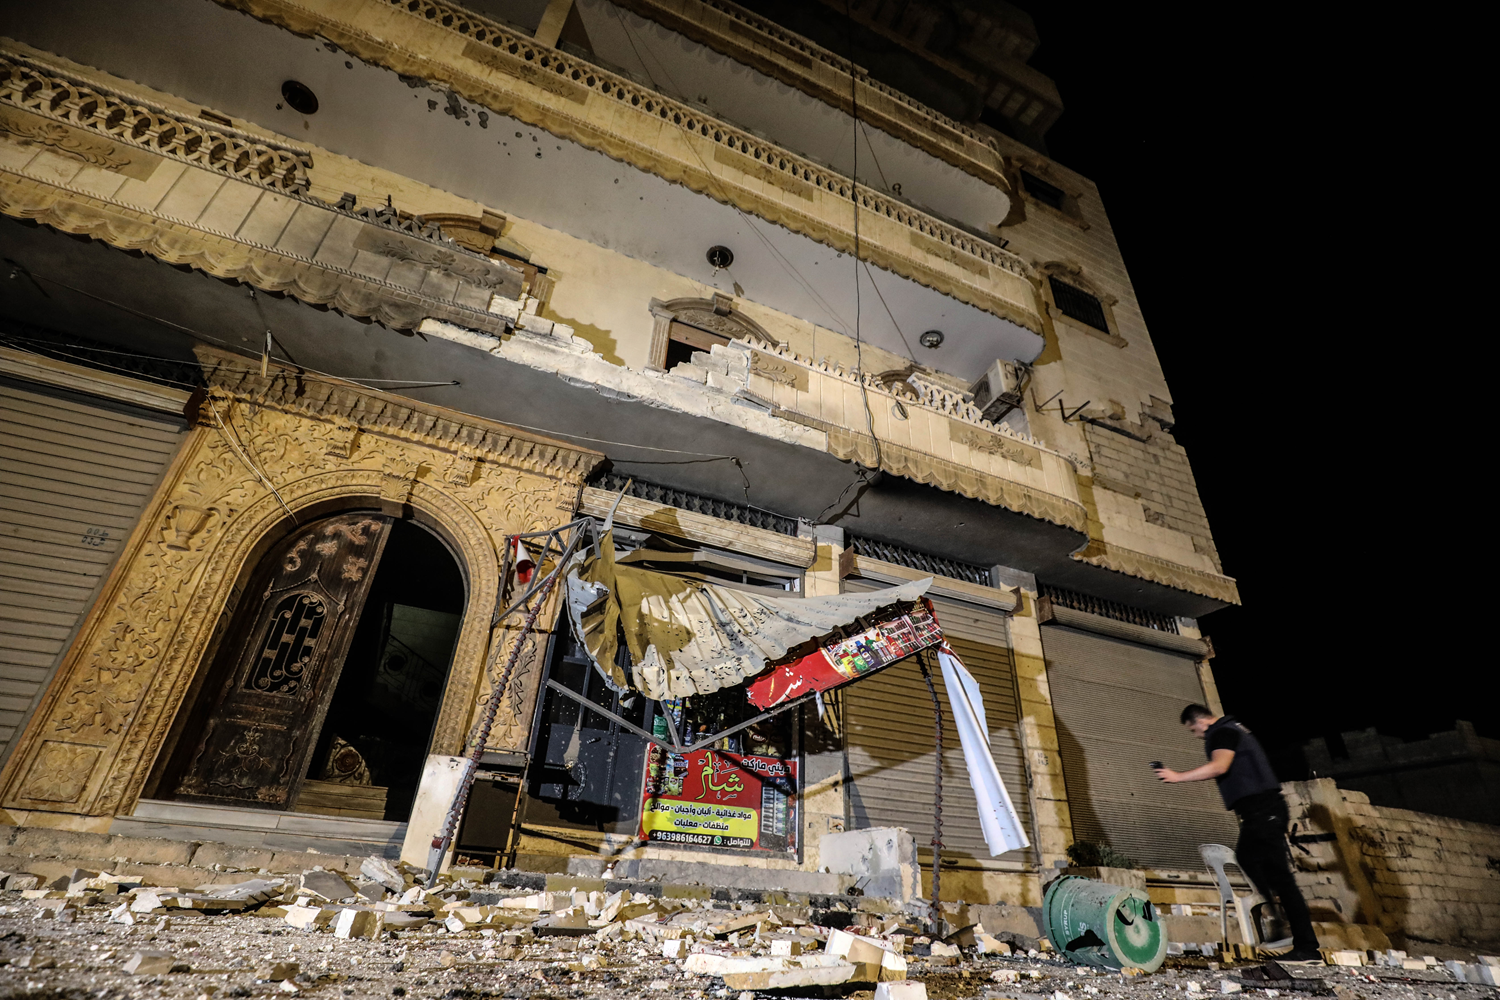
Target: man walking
1247, 784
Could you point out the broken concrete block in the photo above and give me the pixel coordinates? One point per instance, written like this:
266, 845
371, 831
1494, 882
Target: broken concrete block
384, 871
149, 963
1406, 963
1460, 971
781, 979
906, 989
1348, 958
277, 971
787, 947
326, 884
572, 922
121, 915
1229, 986
147, 901
854, 948
1006, 976
942, 950
987, 944
55, 909
884, 859
308, 918
22, 881
34, 962
357, 924
675, 950
373, 891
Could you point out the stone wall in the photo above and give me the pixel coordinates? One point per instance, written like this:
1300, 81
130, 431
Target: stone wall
1414, 875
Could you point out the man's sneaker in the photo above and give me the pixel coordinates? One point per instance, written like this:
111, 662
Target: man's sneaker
1301, 956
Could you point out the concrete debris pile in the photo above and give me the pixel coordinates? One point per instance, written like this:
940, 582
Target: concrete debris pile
381, 930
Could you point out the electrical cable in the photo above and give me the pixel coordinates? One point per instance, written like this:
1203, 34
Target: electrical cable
859, 346
234, 443
911, 356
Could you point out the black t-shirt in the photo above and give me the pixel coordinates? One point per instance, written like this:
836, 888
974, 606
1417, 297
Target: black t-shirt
1250, 773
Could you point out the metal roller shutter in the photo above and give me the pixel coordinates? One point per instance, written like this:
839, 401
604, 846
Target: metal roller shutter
1117, 706
74, 477
890, 738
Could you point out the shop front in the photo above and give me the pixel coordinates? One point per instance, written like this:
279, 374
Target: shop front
301, 613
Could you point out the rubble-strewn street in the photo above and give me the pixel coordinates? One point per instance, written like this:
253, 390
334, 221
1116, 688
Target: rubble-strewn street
380, 933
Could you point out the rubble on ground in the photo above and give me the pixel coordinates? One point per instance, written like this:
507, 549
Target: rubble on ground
381, 931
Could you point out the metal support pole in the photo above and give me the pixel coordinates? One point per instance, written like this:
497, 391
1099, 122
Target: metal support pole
936, 916
444, 839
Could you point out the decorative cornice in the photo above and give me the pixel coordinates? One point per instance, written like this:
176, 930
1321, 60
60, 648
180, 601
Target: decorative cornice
39, 89
741, 35
267, 268
513, 75
920, 467
1170, 574
366, 411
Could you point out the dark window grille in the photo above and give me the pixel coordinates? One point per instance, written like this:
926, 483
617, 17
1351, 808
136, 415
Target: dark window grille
921, 561
1041, 191
1080, 305
698, 504
1108, 609
94, 354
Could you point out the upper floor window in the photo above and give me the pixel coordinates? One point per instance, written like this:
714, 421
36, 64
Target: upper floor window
1043, 192
1078, 304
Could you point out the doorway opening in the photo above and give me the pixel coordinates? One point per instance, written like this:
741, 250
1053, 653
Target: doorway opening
392, 683
324, 692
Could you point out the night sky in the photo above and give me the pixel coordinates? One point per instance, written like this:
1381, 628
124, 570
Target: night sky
1240, 168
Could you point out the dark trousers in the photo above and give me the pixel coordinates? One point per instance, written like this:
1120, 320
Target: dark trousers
1262, 854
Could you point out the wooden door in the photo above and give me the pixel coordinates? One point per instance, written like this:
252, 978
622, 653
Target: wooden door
281, 661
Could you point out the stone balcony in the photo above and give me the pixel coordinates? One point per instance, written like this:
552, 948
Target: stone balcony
770, 391
798, 62
505, 71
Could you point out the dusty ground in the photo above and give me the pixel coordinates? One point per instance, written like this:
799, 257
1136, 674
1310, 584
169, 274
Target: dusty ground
84, 954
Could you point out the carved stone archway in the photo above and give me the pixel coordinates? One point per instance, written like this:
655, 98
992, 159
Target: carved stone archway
262, 449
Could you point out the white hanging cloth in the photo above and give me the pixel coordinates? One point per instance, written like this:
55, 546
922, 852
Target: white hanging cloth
997, 816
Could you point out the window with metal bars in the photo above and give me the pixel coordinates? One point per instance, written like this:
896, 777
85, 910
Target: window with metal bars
1108, 609
921, 561
1078, 304
698, 504
1040, 190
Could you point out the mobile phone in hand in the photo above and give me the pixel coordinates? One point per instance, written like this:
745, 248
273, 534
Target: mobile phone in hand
1155, 765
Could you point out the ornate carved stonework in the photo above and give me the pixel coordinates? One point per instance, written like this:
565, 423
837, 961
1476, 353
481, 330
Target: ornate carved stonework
122, 128
95, 737
994, 444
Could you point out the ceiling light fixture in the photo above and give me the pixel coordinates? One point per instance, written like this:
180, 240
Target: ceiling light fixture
932, 338
719, 257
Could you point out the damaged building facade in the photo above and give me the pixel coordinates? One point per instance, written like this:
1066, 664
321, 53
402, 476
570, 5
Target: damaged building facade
311, 305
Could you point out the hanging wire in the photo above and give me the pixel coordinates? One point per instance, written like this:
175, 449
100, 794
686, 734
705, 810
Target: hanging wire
234, 443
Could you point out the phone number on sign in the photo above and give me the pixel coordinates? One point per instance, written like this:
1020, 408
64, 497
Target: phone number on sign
701, 838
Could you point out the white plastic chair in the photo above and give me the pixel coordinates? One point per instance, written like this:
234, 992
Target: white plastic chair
1216, 856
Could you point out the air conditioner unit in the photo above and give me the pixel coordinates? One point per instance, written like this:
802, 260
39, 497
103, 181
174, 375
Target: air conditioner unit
998, 390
